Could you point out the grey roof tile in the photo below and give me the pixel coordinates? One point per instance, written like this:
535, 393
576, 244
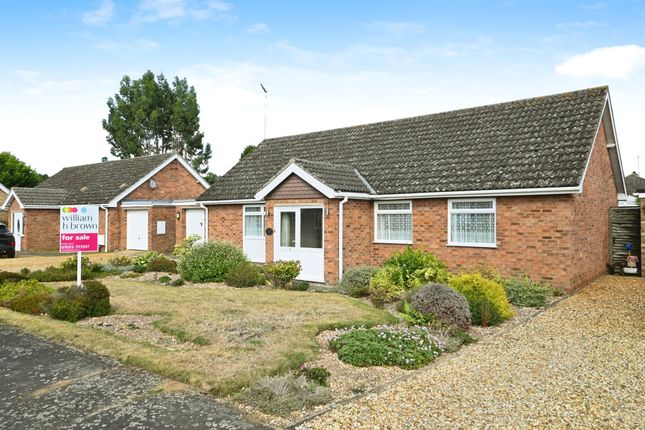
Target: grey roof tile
39, 196
634, 183
532, 143
339, 177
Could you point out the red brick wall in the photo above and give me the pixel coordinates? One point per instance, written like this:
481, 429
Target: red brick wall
174, 182
225, 223
161, 242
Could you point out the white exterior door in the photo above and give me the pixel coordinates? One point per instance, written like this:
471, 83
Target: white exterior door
299, 236
137, 230
254, 243
195, 222
18, 228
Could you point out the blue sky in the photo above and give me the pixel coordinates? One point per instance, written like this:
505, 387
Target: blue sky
325, 64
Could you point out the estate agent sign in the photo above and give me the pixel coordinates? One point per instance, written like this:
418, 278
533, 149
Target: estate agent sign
79, 229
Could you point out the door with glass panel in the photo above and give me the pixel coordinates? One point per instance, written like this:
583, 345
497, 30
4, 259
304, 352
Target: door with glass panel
254, 243
299, 236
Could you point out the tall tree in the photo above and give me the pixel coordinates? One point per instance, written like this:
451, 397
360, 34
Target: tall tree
16, 173
151, 116
247, 150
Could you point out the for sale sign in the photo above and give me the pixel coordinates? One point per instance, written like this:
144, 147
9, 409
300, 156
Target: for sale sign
79, 229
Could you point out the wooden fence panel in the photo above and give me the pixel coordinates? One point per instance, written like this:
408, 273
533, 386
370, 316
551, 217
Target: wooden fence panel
624, 227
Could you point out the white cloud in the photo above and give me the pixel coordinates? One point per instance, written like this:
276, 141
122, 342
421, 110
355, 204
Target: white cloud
147, 44
395, 28
610, 62
26, 75
100, 16
156, 10
259, 27
159, 10
220, 6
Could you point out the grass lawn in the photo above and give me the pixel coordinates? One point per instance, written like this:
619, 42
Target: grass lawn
252, 332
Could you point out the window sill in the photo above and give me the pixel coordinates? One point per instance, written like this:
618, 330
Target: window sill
392, 242
473, 245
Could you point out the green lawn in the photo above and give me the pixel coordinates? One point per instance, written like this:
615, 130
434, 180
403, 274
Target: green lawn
252, 332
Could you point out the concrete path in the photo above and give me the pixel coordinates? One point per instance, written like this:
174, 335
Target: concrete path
578, 365
44, 385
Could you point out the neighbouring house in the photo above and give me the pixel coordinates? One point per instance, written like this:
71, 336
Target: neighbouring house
4, 192
635, 184
146, 203
524, 186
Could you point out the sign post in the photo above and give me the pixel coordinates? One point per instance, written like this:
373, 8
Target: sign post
79, 232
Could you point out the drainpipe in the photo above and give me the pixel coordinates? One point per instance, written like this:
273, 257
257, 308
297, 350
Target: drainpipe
201, 205
107, 224
340, 236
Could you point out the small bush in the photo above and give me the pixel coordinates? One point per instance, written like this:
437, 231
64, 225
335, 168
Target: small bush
280, 273
164, 279
24, 271
26, 296
414, 317
418, 267
177, 282
210, 261
281, 395
11, 277
98, 299
162, 264
245, 275
319, 375
386, 285
300, 285
487, 299
59, 274
11, 289
144, 259
526, 293
356, 281
407, 348
130, 275
70, 263
66, 308
120, 261
137, 268
443, 304
186, 245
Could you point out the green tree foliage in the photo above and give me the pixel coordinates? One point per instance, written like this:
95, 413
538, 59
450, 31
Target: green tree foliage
15, 173
152, 116
246, 151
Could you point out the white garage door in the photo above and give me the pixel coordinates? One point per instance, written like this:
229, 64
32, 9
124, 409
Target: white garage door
137, 230
195, 222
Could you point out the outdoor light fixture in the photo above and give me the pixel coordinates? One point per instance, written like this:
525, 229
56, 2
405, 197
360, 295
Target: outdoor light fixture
178, 215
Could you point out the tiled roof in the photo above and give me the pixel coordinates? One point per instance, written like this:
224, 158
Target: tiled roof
338, 177
541, 142
634, 184
40, 196
99, 183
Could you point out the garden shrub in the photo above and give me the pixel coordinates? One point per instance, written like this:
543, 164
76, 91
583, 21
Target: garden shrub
409, 348
177, 282
245, 275
11, 277
120, 261
281, 272
414, 317
319, 375
186, 245
144, 259
526, 293
164, 279
356, 281
27, 296
418, 267
130, 275
386, 285
73, 303
70, 263
137, 268
300, 285
283, 394
210, 261
67, 308
11, 289
59, 274
98, 298
442, 304
24, 271
162, 264
487, 299
488, 272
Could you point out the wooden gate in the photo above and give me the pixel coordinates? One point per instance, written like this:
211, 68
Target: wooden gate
624, 227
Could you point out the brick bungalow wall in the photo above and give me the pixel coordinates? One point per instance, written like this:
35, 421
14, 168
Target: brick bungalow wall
562, 239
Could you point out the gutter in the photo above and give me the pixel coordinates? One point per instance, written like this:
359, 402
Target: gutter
340, 236
107, 223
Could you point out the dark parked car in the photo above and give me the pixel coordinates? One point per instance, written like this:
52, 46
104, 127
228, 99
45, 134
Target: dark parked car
7, 242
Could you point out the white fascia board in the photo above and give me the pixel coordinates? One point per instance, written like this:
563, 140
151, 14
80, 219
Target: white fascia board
229, 202
293, 168
4, 189
193, 172
41, 207
151, 203
615, 137
11, 195
481, 193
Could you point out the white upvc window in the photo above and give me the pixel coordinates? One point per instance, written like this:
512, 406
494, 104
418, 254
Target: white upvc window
393, 222
254, 221
471, 222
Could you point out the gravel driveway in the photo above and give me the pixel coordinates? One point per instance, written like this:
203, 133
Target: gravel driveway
579, 364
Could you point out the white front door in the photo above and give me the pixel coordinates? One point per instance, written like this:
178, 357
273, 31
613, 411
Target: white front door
195, 222
18, 228
137, 230
254, 243
299, 236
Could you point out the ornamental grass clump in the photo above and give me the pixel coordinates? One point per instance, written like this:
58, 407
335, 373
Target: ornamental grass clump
408, 348
443, 304
283, 394
487, 299
210, 261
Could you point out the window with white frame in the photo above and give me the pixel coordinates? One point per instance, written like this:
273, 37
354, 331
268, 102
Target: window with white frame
471, 222
393, 221
253, 221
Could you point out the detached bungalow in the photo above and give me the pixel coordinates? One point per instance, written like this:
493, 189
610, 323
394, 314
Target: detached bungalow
524, 186
147, 203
